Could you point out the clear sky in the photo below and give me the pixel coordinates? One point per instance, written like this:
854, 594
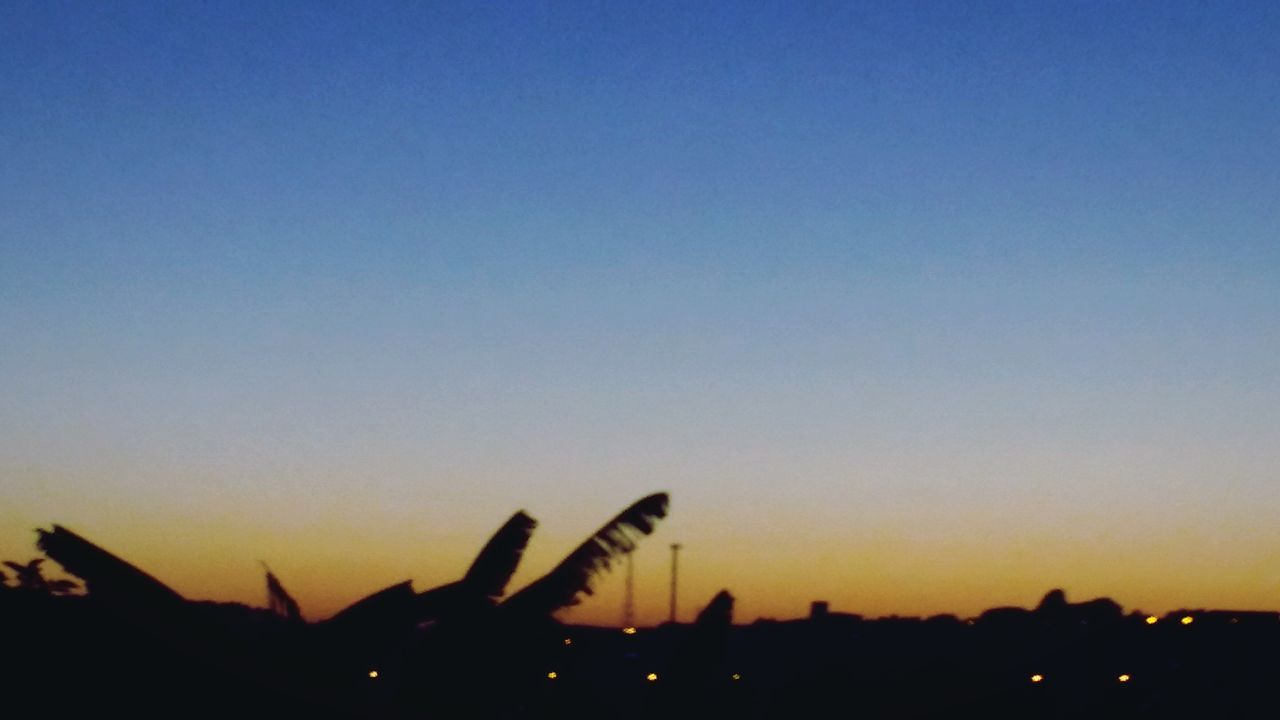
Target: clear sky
912, 307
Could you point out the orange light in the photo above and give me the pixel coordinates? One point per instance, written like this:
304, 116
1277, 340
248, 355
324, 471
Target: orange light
1152, 619
568, 641
1187, 620
1037, 678
373, 674
628, 631
1124, 678
552, 675
651, 677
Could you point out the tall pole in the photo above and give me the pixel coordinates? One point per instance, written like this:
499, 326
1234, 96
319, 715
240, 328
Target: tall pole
675, 556
628, 602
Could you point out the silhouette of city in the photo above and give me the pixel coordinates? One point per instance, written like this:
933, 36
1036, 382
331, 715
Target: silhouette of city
120, 640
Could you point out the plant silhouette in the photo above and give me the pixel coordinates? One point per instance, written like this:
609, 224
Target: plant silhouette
427, 649
31, 578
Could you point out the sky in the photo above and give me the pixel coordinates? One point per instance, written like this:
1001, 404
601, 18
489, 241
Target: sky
911, 307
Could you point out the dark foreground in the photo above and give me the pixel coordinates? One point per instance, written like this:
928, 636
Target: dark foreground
74, 655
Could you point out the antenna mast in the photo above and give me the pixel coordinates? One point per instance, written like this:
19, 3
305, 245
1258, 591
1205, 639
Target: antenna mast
675, 555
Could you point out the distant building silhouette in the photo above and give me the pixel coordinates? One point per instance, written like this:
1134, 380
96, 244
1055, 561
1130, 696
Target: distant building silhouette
819, 609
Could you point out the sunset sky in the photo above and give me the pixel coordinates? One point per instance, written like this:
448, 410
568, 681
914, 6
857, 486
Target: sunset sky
911, 307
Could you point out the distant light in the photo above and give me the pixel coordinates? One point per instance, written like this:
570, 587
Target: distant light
1152, 619
373, 674
1235, 620
568, 641
736, 676
552, 675
1187, 620
1124, 678
651, 677
628, 631
1037, 678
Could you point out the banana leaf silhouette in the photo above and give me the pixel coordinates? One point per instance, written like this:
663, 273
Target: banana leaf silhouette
390, 606
487, 578
279, 599
497, 561
574, 576
718, 614
219, 642
398, 606
105, 576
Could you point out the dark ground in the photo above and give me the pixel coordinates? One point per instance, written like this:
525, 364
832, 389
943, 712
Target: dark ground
71, 656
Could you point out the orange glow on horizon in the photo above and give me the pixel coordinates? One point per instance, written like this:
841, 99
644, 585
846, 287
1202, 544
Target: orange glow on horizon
214, 556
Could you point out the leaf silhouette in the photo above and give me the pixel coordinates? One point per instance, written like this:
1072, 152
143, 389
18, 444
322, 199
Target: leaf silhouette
390, 602
574, 576
282, 603
497, 561
61, 586
29, 576
484, 583
104, 574
718, 613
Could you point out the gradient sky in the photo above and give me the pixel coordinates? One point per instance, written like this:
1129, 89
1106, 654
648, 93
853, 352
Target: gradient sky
912, 307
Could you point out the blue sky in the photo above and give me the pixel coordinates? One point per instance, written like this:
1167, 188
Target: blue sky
862, 280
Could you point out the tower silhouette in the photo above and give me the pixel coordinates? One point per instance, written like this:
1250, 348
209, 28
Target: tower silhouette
675, 556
